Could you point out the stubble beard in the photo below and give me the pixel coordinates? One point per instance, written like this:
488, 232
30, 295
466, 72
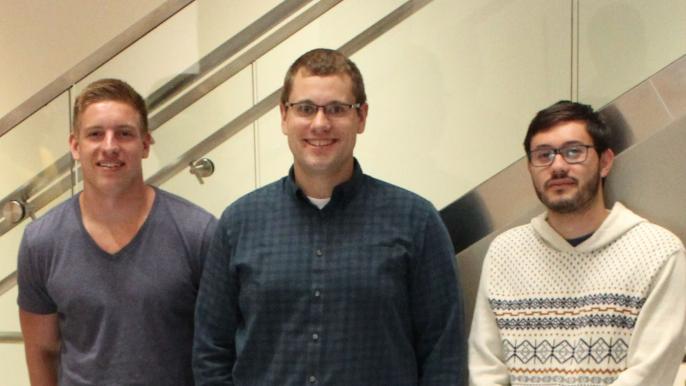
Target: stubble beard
579, 202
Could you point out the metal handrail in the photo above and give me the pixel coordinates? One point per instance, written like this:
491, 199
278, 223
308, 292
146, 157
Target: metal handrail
252, 114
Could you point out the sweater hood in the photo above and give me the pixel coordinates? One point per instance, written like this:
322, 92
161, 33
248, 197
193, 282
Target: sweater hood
618, 222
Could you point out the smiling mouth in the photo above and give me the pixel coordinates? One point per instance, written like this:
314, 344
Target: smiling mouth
320, 142
110, 164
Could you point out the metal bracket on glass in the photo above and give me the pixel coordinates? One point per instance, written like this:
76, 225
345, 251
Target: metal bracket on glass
15, 211
202, 168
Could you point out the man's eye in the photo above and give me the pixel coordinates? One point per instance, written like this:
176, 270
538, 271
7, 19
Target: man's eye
306, 108
336, 109
544, 155
572, 152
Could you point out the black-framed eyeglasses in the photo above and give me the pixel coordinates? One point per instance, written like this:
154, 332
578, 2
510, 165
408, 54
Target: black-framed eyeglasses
572, 154
332, 110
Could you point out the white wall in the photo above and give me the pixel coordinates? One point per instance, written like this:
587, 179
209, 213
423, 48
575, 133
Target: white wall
451, 91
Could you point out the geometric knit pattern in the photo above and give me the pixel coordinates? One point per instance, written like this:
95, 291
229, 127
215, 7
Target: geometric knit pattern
563, 351
566, 315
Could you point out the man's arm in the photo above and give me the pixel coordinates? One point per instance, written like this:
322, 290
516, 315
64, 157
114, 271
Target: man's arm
486, 363
437, 309
42, 346
216, 315
657, 343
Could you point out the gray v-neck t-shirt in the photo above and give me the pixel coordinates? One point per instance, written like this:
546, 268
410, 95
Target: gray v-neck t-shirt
124, 318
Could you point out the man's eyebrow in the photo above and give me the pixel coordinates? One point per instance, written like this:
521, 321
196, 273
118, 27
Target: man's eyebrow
548, 146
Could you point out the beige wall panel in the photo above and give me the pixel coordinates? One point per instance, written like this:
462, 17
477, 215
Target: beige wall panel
623, 42
450, 97
8, 303
13, 365
41, 39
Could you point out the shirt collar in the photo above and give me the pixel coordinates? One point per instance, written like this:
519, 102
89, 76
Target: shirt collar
342, 193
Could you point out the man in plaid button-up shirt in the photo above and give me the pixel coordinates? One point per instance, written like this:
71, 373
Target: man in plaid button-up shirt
329, 276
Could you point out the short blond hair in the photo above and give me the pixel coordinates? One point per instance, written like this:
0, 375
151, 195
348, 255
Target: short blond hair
110, 90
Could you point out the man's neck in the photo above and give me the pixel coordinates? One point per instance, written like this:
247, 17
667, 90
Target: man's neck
580, 223
116, 208
320, 186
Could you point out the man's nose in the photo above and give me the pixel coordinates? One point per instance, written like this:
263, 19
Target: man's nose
321, 121
111, 142
559, 163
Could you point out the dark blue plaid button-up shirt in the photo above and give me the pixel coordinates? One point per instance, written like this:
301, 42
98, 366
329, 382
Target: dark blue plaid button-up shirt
362, 292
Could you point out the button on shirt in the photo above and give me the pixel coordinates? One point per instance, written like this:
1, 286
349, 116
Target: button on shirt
362, 292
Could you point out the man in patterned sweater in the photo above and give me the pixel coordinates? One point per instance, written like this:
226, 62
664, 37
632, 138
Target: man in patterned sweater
581, 295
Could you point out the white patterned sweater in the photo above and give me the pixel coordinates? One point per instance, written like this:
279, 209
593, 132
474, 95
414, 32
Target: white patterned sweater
610, 311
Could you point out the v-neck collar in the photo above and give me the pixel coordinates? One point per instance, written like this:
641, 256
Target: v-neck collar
131, 244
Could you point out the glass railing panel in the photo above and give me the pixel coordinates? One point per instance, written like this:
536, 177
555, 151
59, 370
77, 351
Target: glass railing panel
234, 175
234, 159
26, 151
450, 97
621, 43
199, 120
175, 46
34, 144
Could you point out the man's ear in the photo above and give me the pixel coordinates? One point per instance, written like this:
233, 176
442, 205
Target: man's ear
147, 141
362, 117
283, 111
74, 145
607, 158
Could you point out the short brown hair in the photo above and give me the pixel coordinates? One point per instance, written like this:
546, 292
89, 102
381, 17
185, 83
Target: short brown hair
324, 62
110, 90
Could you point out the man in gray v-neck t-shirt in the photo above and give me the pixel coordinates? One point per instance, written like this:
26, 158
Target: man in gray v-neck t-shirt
104, 302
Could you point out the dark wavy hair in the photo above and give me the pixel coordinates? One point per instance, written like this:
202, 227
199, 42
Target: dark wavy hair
567, 111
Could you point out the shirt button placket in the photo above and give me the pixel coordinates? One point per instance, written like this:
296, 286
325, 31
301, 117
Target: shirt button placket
316, 311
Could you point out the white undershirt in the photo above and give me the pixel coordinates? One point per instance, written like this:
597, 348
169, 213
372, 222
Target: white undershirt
319, 202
